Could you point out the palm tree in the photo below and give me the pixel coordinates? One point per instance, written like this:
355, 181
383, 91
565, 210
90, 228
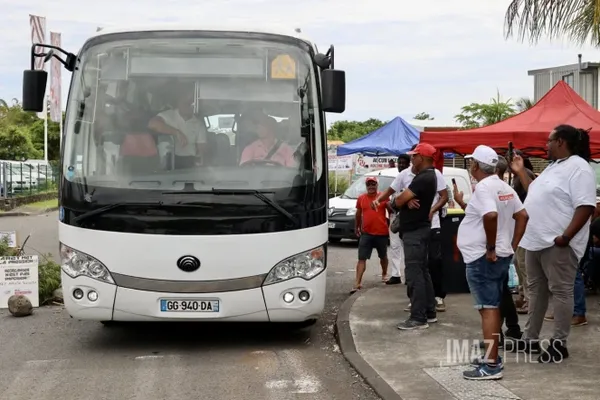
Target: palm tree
579, 20
524, 104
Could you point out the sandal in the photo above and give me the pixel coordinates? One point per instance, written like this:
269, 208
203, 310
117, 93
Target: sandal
354, 290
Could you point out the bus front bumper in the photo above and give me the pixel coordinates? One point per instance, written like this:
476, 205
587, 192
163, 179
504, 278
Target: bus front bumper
266, 303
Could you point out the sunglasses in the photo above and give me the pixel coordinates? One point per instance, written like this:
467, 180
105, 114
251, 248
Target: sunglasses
371, 183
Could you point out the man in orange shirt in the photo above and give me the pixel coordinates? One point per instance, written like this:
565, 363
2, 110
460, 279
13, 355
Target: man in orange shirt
372, 228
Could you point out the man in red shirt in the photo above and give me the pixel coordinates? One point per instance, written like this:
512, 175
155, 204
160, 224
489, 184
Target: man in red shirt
372, 229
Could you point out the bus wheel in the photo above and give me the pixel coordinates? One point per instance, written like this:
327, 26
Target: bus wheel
108, 324
304, 324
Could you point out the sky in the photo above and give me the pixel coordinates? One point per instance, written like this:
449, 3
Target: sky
401, 57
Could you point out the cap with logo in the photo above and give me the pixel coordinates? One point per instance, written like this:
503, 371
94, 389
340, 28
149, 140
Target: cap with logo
484, 154
371, 179
423, 149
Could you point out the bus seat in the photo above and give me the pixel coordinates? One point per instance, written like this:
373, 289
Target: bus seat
223, 154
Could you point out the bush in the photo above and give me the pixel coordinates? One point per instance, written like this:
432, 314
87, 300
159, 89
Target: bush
342, 184
49, 279
48, 272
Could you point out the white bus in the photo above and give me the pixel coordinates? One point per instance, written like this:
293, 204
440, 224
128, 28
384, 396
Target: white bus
152, 228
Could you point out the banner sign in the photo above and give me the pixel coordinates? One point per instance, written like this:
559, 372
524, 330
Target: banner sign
19, 276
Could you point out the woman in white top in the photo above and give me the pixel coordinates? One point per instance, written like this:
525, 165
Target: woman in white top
560, 203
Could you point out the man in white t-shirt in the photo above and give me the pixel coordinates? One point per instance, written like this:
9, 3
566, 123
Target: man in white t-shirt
401, 182
487, 238
189, 132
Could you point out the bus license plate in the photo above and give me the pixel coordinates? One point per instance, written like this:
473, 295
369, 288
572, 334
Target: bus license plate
331, 225
167, 305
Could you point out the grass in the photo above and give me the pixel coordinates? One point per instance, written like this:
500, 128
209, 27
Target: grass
42, 205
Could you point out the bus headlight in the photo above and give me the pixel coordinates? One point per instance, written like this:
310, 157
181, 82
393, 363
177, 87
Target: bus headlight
305, 265
351, 212
76, 263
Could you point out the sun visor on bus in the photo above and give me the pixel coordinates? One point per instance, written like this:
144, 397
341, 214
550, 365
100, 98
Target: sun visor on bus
197, 66
250, 90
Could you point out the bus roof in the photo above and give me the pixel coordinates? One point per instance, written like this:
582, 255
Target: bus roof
291, 32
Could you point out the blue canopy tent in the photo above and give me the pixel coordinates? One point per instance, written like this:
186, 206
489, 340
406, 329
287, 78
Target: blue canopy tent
394, 138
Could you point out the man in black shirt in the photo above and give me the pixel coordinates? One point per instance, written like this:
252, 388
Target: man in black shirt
414, 205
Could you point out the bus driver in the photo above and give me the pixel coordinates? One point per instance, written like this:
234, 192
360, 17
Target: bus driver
268, 147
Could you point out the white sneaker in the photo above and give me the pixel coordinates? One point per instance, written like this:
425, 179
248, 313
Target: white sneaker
407, 309
440, 306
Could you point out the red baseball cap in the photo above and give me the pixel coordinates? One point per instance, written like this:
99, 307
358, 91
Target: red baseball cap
424, 149
371, 179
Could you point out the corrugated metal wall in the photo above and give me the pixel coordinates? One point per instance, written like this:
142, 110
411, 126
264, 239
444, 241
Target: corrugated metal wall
585, 83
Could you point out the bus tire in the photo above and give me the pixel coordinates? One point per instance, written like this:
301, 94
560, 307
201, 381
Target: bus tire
304, 324
108, 324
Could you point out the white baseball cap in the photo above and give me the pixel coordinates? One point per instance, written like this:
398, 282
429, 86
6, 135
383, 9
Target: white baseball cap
484, 154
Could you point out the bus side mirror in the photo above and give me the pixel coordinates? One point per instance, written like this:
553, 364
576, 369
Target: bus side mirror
333, 90
34, 89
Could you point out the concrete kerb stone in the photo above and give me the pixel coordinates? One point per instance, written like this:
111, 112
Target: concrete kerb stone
25, 214
345, 340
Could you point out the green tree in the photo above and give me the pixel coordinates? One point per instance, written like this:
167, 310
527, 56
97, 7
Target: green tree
524, 104
476, 115
348, 131
578, 20
13, 116
15, 144
423, 116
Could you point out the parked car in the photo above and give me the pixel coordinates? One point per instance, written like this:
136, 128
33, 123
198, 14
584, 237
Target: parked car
342, 209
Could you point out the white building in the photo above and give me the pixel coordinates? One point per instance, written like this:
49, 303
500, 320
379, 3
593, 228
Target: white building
582, 77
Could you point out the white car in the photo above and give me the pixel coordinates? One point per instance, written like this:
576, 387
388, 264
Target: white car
342, 209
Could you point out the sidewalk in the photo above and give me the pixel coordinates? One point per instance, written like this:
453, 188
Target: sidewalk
419, 365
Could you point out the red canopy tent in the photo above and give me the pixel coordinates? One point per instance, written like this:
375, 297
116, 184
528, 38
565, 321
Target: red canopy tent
528, 130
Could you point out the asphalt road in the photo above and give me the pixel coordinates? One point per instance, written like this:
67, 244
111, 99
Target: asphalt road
51, 356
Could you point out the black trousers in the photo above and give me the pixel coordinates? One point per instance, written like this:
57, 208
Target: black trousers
435, 264
418, 280
508, 311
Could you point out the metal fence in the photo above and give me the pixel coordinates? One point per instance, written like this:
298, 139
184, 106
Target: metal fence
27, 178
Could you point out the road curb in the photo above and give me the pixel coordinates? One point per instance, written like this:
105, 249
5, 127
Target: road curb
26, 214
345, 340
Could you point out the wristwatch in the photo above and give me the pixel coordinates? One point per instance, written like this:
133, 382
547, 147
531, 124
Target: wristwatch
490, 247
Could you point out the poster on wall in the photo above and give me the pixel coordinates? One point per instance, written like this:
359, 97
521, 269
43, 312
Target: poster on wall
19, 276
366, 164
340, 163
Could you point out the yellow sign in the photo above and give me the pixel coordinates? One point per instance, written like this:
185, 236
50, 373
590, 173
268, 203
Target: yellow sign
283, 67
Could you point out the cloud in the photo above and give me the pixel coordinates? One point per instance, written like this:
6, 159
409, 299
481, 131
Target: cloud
401, 57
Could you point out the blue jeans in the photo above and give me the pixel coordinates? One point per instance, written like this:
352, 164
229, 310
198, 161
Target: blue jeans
486, 281
579, 296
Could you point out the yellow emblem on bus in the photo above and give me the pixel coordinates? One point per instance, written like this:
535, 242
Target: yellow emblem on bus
283, 67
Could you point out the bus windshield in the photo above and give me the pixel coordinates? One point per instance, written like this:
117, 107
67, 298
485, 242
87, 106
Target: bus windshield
165, 115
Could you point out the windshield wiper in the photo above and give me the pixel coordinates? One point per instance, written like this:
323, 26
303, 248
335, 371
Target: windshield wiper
256, 193
260, 195
109, 207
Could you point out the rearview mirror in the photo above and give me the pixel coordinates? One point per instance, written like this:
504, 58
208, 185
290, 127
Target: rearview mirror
333, 90
34, 89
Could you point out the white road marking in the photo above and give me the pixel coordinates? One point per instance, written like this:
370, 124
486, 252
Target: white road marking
142, 358
306, 382
303, 385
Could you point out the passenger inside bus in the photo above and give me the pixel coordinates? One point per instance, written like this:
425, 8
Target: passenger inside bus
189, 131
138, 152
268, 147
